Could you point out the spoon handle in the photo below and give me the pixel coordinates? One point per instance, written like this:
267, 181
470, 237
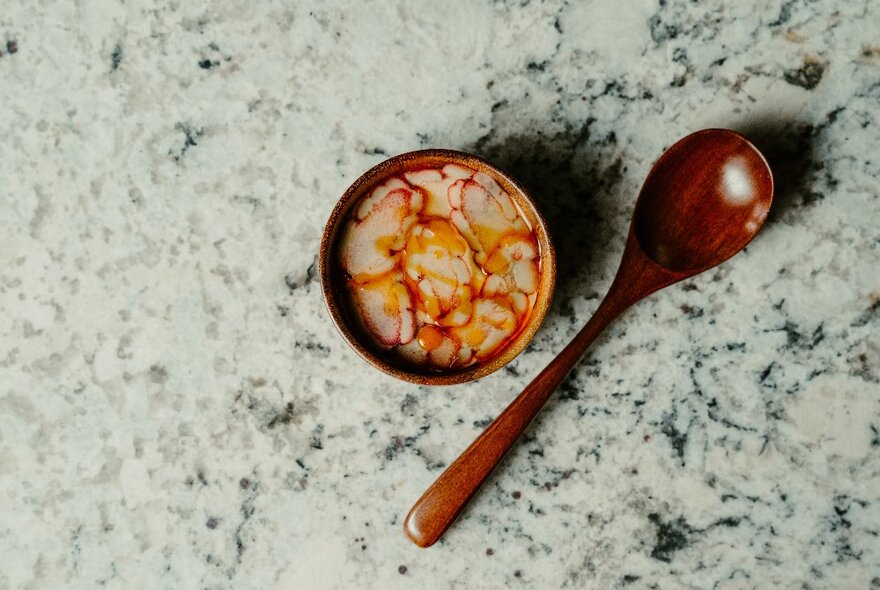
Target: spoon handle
439, 506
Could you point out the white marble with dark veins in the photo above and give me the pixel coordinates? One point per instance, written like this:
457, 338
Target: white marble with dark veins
177, 411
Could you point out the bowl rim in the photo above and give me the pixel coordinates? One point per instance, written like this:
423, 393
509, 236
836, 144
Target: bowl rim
547, 275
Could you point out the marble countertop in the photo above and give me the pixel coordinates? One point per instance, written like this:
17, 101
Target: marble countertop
177, 411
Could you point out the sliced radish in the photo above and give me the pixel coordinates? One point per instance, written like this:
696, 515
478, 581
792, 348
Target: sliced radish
369, 247
511, 248
456, 317
461, 269
455, 171
412, 353
423, 177
385, 308
493, 341
520, 302
379, 193
444, 355
496, 312
465, 356
461, 224
485, 218
437, 260
494, 284
431, 301
435, 184
494, 189
525, 275
521, 227
513, 266
464, 308
453, 195
407, 315
492, 323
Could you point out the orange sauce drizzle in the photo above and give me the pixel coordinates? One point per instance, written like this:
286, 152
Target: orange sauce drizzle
438, 236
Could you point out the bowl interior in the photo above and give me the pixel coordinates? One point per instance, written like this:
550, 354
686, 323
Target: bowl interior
333, 277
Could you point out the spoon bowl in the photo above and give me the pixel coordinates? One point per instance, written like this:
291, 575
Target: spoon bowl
703, 201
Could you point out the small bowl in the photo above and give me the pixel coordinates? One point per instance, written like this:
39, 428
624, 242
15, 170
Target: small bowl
332, 276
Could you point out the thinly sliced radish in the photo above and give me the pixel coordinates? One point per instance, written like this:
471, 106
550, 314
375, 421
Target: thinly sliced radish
378, 194
368, 247
435, 184
446, 354
423, 177
453, 195
386, 309
485, 218
492, 323
461, 224
511, 248
493, 341
525, 275
464, 308
457, 317
412, 353
513, 266
494, 189
461, 269
456, 172
520, 302
437, 260
494, 284
433, 301
465, 356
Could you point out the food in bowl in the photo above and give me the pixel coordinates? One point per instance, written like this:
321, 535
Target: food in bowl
441, 267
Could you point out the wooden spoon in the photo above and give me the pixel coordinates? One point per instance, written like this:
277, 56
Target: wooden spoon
703, 201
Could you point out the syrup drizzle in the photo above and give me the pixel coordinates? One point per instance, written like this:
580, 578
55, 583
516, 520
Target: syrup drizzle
460, 286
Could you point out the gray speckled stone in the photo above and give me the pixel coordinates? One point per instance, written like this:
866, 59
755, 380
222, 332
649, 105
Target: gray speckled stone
176, 410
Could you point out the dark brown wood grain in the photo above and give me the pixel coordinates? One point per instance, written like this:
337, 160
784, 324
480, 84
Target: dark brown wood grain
702, 202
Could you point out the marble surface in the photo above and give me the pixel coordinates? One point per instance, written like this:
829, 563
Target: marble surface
177, 411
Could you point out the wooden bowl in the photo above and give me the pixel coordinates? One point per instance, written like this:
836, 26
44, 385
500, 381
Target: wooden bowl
333, 277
